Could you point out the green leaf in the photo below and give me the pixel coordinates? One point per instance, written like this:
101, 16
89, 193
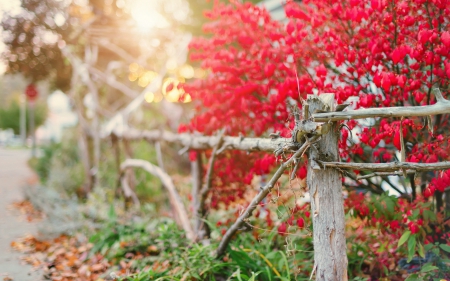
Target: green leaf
436, 251
415, 214
390, 205
445, 247
421, 250
411, 247
112, 216
404, 237
252, 278
429, 215
428, 267
428, 247
378, 206
413, 277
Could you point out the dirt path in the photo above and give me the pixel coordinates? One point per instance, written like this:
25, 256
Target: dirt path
13, 175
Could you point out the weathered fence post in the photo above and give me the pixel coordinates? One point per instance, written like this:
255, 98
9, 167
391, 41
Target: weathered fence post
327, 203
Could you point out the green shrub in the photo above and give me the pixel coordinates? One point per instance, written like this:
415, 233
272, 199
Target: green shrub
10, 115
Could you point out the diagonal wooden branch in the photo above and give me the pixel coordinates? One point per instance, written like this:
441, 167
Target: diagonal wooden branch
389, 167
128, 192
200, 142
442, 106
168, 184
111, 81
200, 211
265, 190
121, 52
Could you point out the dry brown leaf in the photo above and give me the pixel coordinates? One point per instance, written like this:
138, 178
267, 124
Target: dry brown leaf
152, 249
97, 267
123, 264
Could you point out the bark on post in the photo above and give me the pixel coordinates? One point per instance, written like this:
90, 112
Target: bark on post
327, 203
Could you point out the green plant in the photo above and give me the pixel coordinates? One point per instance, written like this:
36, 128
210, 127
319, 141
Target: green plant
178, 259
42, 164
434, 266
10, 115
116, 238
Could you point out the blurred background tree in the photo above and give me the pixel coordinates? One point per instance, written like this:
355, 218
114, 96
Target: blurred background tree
10, 114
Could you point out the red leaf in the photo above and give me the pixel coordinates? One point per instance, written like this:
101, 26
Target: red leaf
290, 27
269, 70
398, 54
424, 36
301, 222
282, 229
447, 69
386, 82
445, 38
397, 140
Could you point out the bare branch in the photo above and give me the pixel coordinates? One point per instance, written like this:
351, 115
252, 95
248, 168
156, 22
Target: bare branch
128, 192
207, 142
168, 183
112, 82
258, 198
437, 93
441, 107
105, 43
382, 174
200, 212
159, 156
389, 167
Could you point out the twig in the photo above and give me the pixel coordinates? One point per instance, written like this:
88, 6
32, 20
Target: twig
381, 174
168, 183
312, 272
159, 156
200, 211
258, 198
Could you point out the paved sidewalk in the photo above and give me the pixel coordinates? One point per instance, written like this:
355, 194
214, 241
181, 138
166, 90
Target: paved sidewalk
13, 175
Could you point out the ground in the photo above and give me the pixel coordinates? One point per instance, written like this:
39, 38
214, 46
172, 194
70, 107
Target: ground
14, 174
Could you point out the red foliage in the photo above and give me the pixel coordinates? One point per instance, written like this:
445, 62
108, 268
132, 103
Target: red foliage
374, 53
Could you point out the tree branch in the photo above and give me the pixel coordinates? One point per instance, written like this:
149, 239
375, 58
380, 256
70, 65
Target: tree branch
200, 142
112, 82
389, 167
168, 183
442, 106
381, 174
200, 212
128, 192
258, 198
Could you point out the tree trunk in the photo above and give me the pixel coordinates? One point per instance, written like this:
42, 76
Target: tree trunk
327, 204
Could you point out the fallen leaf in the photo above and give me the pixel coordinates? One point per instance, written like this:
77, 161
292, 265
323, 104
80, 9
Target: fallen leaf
97, 267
